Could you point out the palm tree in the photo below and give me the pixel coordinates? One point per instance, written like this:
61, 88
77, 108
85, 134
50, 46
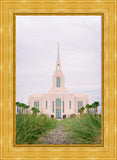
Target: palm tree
26, 107
88, 106
18, 105
81, 110
35, 110
22, 106
95, 105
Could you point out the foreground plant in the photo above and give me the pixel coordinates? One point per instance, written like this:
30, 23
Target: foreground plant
84, 130
29, 128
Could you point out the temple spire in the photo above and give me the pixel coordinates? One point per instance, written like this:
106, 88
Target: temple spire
58, 64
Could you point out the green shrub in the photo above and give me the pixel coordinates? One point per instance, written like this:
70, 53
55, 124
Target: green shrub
72, 115
30, 127
84, 130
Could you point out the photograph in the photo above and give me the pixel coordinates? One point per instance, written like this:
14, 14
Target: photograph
58, 79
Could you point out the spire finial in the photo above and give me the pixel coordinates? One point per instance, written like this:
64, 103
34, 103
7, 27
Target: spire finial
58, 65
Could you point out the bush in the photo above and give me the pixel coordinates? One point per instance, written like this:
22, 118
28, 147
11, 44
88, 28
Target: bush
84, 130
30, 127
72, 115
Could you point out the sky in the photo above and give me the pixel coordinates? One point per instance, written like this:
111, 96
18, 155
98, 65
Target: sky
79, 40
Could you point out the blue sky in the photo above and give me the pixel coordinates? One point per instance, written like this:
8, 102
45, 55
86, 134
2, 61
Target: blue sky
79, 38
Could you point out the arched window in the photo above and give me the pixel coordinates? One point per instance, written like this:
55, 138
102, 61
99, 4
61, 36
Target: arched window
58, 108
58, 82
80, 104
46, 104
69, 104
58, 102
63, 106
36, 104
53, 106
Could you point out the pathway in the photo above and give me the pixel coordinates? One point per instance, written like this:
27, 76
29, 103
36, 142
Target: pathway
57, 136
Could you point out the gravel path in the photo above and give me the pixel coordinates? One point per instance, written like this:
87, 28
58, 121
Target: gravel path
57, 136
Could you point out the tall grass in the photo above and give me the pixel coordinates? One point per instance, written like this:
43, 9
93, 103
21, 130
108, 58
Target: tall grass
83, 130
30, 127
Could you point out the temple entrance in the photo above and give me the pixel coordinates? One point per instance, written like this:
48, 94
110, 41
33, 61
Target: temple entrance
64, 116
58, 108
52, 116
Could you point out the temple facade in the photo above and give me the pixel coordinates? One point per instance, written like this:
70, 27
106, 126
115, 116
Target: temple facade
58, 103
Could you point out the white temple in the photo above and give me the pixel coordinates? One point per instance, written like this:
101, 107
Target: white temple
58, 102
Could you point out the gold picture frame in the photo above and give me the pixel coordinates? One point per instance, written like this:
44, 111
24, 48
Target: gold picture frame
14, 80
107, 10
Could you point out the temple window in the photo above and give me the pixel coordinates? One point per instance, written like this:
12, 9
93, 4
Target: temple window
63, 106
58, 102
36, 104
46, 104
69, 104
80, 104
58, 82
53, 106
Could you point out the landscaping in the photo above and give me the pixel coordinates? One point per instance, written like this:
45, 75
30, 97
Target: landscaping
29, 128
85, 129
38, 128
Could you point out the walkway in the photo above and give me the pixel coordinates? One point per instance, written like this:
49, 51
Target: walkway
57, 136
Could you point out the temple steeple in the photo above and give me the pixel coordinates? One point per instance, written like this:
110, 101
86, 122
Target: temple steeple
58, 81
58, 64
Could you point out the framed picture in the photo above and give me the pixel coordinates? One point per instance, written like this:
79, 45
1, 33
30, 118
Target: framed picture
57, 75
60, 112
